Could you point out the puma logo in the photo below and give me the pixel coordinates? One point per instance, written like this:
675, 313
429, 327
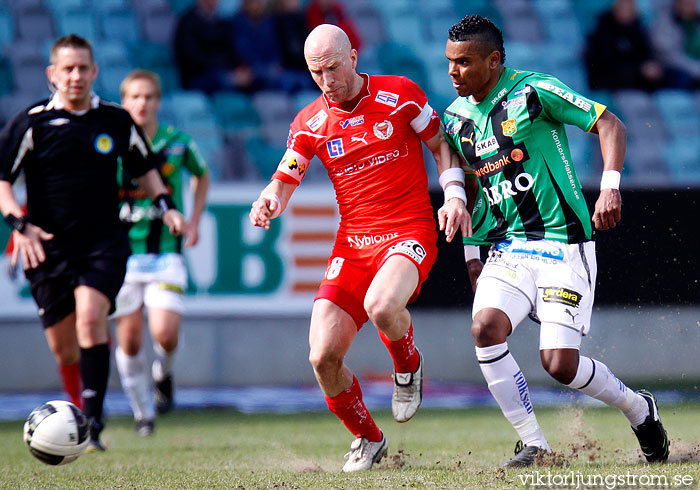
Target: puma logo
469, 140
572, 315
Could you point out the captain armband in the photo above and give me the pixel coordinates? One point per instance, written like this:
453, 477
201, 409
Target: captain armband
610, 180
164, 202
471, 252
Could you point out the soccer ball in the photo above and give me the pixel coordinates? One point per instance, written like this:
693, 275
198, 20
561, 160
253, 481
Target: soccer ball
56, 432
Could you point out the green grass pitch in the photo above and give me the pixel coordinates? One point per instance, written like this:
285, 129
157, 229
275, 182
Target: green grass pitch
450, 449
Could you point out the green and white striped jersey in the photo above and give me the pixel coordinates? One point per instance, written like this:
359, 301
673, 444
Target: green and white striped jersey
148, 234
516, 143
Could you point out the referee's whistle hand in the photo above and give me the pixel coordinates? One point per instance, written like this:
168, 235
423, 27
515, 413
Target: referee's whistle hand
175, 221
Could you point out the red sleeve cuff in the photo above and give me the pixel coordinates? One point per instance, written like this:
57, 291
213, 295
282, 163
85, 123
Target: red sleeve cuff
287, 179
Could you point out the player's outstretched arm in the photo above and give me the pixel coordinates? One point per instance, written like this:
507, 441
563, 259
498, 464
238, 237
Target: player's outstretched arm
27, 237
453, 214
152, 183
613, 136
272, 201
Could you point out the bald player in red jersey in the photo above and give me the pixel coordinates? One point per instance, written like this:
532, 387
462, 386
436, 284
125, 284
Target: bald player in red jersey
367, 131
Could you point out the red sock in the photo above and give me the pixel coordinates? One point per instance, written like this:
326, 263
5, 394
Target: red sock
403, 352
351, 410
72, 383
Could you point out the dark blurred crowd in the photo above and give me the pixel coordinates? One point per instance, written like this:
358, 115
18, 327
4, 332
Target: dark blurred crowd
261, 47
623, 53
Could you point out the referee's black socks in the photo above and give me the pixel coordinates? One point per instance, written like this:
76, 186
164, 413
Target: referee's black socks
94, 369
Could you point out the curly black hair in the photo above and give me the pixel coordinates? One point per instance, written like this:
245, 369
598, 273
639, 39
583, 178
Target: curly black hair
481, 29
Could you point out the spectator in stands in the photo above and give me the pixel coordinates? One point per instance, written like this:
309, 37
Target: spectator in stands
619, 54
205, 54
332, 12
255, 37
291, 28
676, 37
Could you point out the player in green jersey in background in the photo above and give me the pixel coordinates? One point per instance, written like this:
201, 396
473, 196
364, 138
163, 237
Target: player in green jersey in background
156, 275
508, 126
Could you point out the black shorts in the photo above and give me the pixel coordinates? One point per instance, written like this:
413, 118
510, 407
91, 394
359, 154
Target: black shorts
53, 283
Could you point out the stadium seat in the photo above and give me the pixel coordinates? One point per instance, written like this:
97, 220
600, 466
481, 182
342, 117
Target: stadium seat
304, 98
109, 80
273, 106
235, 113
14, 102
142, 6
438, 21
7, 29
34, 25
398, 59
520, 22
82, 23
679, 112
119, 25
405, 27
369, 22
179, 6
110, 52
6, 80
265, 157
159, 25
110, 5
21, 5
683, 161
57, 6
192, 108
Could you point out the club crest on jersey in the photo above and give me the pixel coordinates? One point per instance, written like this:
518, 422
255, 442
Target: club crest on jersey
387, 98
509, 127
335, 148
486, 146
104, 143
352, 122
383, 130
315, 122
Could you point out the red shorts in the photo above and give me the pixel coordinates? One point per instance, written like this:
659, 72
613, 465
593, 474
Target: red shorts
357, 258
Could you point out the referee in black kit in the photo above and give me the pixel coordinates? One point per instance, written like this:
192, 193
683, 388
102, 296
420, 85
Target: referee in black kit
72, 244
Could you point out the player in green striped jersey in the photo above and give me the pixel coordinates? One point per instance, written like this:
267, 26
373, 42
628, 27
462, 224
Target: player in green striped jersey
156, 274
508, 127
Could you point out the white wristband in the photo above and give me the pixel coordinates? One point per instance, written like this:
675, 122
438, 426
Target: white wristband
451, 175
471, 252
456, 191
274, 197
610, 180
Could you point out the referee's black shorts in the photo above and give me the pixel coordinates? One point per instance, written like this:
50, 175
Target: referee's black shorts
53, 283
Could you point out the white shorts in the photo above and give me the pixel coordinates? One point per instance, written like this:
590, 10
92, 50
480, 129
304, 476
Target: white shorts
157, 281
550, 281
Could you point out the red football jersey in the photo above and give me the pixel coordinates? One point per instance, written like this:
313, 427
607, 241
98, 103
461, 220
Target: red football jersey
373, 154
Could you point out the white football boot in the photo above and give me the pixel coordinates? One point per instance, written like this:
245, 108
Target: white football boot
408, 393
363, 454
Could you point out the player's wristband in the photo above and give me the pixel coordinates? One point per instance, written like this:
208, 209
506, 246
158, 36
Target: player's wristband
471, 252
164, 202
455, 191
18, 224
451, 175
274, 197
610, 180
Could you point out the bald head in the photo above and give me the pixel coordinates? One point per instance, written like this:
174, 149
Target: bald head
327, 39
332, 63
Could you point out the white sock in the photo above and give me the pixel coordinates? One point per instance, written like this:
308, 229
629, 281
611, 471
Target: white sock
136, 383
596, 380
509, 387
163, 362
